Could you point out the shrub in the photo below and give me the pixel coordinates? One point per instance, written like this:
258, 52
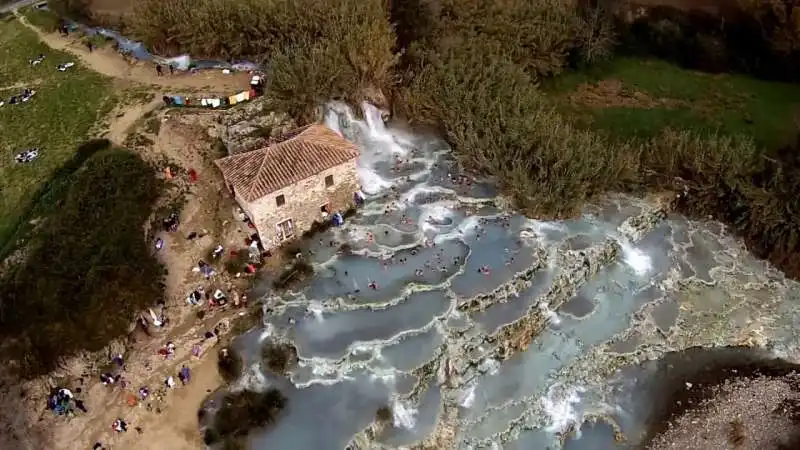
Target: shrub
243, 411
736, 182
297, 271
316, 50
352, 58
89, 269
279, 358
229, 364
384, 414
541, 36
493, 115
74, 9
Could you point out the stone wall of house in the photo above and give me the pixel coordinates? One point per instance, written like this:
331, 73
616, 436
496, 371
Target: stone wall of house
304, 200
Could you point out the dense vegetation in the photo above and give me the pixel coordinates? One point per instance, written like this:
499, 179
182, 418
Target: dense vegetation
88, 269
241, 412
279, 358
761, 37
315, 49
473, 69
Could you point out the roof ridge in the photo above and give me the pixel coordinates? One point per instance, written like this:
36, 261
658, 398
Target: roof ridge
303, 152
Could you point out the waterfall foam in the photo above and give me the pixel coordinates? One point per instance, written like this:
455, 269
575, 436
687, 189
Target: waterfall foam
561, 407
635, 258
552, 316
375, 124
316, 309
332, 120
404, 415
468, 397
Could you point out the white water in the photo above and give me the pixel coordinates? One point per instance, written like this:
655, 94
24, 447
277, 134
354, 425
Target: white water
358, 351
552, 316
561, 407
635, 258
403, 415
468, 397
316, 309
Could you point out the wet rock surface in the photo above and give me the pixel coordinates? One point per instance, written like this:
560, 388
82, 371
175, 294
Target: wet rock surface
459, 314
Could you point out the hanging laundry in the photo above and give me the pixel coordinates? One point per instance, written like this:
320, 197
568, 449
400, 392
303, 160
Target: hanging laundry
243, 96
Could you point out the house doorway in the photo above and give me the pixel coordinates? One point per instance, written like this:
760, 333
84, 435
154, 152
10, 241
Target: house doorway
325, 210
285, 229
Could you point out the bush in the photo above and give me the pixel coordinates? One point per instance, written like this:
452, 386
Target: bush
493, 115
752, 36
543, 37
74, 9
736, 182
297, 271
279, 358
316, 50
384, 414
89, 269
243, 411
229, 364
351, 59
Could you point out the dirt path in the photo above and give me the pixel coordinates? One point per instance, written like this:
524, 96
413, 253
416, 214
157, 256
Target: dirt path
120, 125
110, 63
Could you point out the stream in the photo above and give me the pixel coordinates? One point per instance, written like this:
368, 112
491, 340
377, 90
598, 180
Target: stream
489, 330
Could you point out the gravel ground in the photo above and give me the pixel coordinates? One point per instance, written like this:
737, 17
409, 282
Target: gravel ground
741, 414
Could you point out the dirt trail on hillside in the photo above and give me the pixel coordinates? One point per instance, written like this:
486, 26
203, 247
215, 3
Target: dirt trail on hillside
121, 125
110, 63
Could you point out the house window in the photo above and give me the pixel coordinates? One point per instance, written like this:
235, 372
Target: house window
329, 181
285, 229
280, 200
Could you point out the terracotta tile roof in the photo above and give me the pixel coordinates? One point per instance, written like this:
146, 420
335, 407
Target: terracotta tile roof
300, 154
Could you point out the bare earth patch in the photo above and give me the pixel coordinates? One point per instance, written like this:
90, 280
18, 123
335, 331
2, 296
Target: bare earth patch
612, 93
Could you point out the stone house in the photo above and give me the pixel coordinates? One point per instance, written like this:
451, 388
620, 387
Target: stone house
307, 175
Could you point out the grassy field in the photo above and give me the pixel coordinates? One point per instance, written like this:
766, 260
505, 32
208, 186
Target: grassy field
44, 19
638, 98
58, 118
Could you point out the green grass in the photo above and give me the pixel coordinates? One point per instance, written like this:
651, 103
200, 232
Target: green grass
60, 117
45, 19
729, 104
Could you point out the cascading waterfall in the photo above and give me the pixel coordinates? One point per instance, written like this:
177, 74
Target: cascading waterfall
447, 309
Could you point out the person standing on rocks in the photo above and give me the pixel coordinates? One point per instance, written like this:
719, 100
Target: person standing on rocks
159, 70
